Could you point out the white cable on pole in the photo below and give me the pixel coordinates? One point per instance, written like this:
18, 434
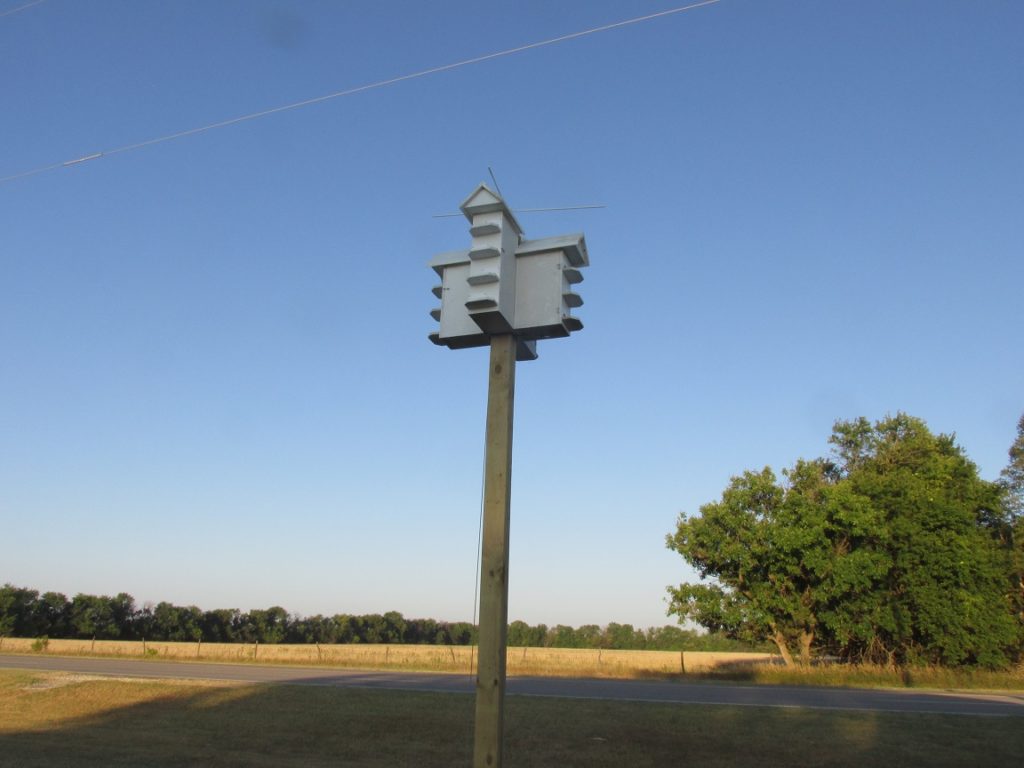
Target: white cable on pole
479, 554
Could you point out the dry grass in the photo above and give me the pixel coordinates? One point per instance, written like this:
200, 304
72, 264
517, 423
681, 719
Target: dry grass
585, 662
49, 720
873, 676
555, 662
549, 662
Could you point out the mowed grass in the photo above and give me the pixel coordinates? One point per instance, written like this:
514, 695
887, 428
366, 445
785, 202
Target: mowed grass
55, 719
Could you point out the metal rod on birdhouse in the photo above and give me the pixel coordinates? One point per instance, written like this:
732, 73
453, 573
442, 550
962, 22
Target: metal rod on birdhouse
493, 633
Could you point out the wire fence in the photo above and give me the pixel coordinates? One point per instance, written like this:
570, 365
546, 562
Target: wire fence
436, 658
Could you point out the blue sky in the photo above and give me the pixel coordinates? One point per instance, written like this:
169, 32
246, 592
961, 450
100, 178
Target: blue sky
216, 383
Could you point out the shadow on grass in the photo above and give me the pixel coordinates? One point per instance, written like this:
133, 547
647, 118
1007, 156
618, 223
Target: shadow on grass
741, 671
141, 723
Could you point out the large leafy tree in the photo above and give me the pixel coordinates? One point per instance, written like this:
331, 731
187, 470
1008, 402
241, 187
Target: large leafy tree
175, 623
12, 602
1012, 524
51, 615
92, 616
219, 625
943, 596
773, 549
879, 553
1012, 477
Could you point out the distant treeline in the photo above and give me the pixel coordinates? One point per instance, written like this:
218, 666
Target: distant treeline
27, 613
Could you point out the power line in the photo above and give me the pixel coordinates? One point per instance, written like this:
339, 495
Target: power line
24, 7
531, 210
351, 91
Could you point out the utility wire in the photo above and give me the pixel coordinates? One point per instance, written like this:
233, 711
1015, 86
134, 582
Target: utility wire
530, 210
352, 91
24, 7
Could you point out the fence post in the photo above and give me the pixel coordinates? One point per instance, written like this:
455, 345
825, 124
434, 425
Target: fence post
682, 661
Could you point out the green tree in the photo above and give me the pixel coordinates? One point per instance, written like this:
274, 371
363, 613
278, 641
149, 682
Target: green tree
463, 633
394, 628
219, 625
622, 637
590, 636
166, 622
768, 546
562, 636
1012, 531
669, 638
10, 609
878, 554
312, 629
51, 614
347, 628
372, 628
443, 635
122, 608
92, 616
1012, 477
522, 635
422, 631
268, 626
944, 593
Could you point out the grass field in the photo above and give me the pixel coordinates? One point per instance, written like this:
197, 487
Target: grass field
433, 658
56, 719
560, 662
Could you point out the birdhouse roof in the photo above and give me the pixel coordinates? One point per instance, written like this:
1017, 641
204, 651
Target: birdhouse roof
447, 259
485, 200
573, 246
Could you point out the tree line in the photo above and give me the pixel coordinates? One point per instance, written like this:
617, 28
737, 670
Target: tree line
892, 550
27, 613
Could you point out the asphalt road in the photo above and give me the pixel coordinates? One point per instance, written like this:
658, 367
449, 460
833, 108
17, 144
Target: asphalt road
892, 700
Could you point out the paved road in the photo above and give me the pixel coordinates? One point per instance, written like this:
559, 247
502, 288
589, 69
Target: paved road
935, 702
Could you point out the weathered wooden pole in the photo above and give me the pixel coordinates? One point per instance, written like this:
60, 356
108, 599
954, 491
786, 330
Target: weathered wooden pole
507, 293
493, 633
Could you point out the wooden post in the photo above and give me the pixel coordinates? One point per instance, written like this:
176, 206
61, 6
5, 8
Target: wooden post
493, 638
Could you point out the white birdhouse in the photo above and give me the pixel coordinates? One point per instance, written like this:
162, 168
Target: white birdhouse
505, 284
